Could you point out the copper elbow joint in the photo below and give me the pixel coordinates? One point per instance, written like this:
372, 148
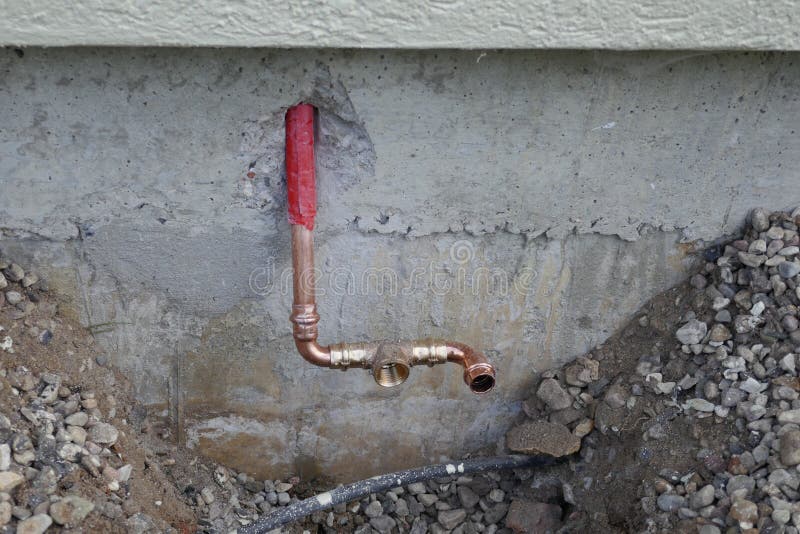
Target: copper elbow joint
479, 374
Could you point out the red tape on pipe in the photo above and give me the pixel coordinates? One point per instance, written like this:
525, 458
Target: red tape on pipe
300, 166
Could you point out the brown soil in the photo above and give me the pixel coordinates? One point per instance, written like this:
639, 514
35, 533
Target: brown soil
608, 485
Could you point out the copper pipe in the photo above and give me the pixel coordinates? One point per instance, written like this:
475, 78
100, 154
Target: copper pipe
390, 361
304, 308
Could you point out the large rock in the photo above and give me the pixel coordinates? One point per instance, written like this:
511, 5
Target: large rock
789, 269
719, 333
450, 519
744, 512
702, 497
467, 497
527, 517
104, 434
789, 416
5, 457
669, 502
36, 524
551, 392
543, 437
759, 219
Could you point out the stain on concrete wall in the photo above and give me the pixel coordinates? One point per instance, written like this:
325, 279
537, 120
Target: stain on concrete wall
526, 203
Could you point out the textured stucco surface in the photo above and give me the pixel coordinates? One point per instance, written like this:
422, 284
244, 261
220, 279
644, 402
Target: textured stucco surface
608, 24
578, 178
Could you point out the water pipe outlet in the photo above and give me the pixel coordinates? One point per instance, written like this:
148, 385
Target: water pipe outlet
389, 361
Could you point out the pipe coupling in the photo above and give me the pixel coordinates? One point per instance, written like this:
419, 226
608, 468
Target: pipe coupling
305, 319
429, 352
345, 355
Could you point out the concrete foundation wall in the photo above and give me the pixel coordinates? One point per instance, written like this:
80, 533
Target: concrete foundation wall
526, 203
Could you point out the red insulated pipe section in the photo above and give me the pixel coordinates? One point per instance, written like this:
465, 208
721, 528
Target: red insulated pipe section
300, 165
302, 199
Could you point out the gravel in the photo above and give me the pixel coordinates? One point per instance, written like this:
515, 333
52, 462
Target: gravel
52, 435
750, 370
44, 449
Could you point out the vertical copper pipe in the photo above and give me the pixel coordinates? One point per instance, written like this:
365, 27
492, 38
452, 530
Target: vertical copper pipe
304, 308
302, 204
303, 265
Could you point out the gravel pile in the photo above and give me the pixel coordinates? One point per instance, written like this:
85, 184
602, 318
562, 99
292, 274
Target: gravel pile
67, 458
55, 436
51, 435
704, 424
742, 346
712, 410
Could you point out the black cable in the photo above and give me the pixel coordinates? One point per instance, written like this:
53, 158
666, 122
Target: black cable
358, 490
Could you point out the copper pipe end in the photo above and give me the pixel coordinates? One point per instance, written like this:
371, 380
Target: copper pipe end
480, 378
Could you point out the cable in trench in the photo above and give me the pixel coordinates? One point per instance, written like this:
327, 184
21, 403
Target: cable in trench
358, 490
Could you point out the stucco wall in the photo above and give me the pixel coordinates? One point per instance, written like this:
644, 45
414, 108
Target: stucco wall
575, 179
609, 24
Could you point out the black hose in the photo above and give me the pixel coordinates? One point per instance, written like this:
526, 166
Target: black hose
358, 490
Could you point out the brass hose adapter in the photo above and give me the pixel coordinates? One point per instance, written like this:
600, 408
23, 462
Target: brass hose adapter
389, 361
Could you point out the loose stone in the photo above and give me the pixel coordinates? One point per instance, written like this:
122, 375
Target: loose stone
790, 448
692, 332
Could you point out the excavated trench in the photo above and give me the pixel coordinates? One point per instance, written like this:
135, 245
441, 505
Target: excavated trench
686, 420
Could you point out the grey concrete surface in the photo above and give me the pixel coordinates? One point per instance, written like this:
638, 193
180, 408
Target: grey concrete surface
523, 202
470, 24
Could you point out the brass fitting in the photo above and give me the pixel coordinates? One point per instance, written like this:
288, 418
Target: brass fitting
392, 364
345, 355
